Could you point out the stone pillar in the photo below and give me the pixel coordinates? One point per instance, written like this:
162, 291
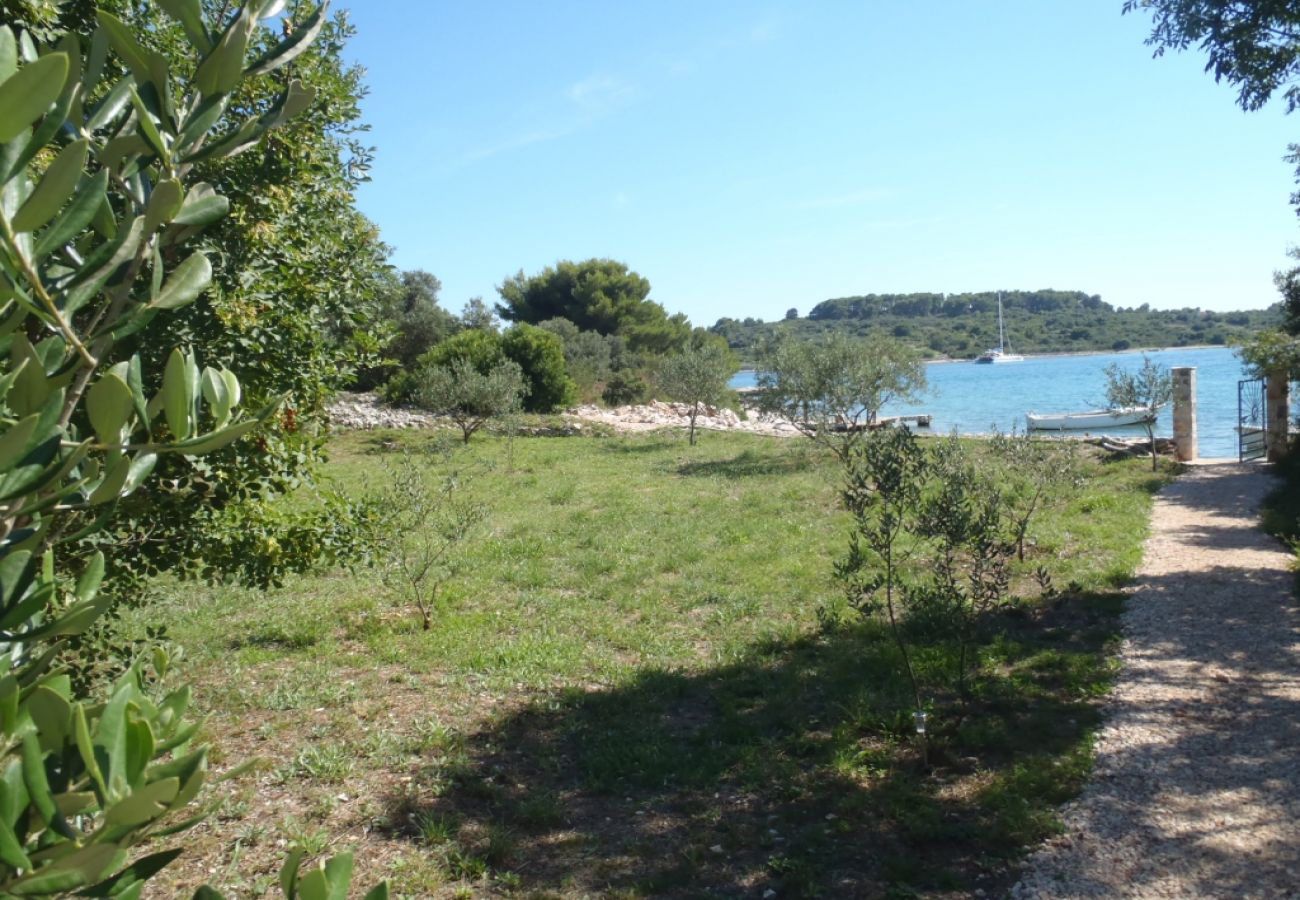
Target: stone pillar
1278, 397
1184, 413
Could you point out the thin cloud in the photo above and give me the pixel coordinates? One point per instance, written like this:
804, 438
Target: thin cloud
518, 142
600, 93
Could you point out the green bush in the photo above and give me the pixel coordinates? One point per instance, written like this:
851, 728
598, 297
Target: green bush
539, 355
624, 388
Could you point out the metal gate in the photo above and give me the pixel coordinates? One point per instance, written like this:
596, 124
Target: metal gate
1252, 419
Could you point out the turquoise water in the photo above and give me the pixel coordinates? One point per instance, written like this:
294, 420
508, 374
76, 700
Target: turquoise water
975, 399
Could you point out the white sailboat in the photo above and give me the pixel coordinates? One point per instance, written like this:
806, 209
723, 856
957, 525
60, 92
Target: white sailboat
1001, 354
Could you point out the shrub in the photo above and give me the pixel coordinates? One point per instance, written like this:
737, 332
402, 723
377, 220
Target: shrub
697, 376
624, 388
540, 357
538, 354
467, 396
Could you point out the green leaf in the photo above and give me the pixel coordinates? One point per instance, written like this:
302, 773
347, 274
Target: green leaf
53, 879
190, 279
53, 717
109, 404
296, 99
17, 569
142, 62
54, 188
13, 443
28, 93
8, 52
77, 217
113, 483
149, 128
86, 749
216, 440
202, 211
176, 398
207, 893
145, 804
113, 103
88, 583
31, 387
78, 868
118, 253
292, 46
202, 120
75, 803
232, 143
137, 873
232, 387
141, 468
217, 396
38, 787
164, 203
110, 744
190, 15
11, 852
223, 68
338, 876
378, 892
289, 872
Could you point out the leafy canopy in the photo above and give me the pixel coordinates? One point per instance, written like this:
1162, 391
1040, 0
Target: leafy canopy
698, 376
1253, 45
832, 389
601, 295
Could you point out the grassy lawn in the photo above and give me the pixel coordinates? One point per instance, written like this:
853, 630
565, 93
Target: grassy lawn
645, 684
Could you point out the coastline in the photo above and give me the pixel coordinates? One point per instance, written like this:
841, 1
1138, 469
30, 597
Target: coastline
944, 360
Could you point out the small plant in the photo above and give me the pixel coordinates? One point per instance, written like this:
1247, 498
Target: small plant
698, 376
930, 542
1149, 388
422, 531
1032, 474
469, 397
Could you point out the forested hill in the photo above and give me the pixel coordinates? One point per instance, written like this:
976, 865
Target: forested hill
1047, 321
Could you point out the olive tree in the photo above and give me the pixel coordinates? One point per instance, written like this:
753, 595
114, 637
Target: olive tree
1148, 389
98, 212
469, 397
832, 389
698, 376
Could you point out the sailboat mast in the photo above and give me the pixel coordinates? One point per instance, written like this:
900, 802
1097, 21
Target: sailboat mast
1002, 337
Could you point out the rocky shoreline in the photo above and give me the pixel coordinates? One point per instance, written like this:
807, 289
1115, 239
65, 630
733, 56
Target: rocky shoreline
364, 412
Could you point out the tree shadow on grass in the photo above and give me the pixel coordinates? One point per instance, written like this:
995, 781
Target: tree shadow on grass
792, 769
629, 445
746, 464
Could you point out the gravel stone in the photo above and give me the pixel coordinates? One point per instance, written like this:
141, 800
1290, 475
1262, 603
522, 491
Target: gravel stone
1196, 790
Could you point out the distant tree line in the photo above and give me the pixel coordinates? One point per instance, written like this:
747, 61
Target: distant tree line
964, 325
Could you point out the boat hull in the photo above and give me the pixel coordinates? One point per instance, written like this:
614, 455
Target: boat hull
994, 357
1091, 419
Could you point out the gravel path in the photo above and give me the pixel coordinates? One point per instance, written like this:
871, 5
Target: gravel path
1196, 791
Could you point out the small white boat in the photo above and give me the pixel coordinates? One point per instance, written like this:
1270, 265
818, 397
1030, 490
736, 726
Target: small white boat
1091, 419
1001, 354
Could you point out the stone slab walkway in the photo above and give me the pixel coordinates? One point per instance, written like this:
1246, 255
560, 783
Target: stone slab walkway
1196, 792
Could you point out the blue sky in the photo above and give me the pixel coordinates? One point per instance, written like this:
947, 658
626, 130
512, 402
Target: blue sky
747, 158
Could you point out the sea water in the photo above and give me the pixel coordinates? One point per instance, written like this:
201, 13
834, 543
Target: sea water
976, 399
